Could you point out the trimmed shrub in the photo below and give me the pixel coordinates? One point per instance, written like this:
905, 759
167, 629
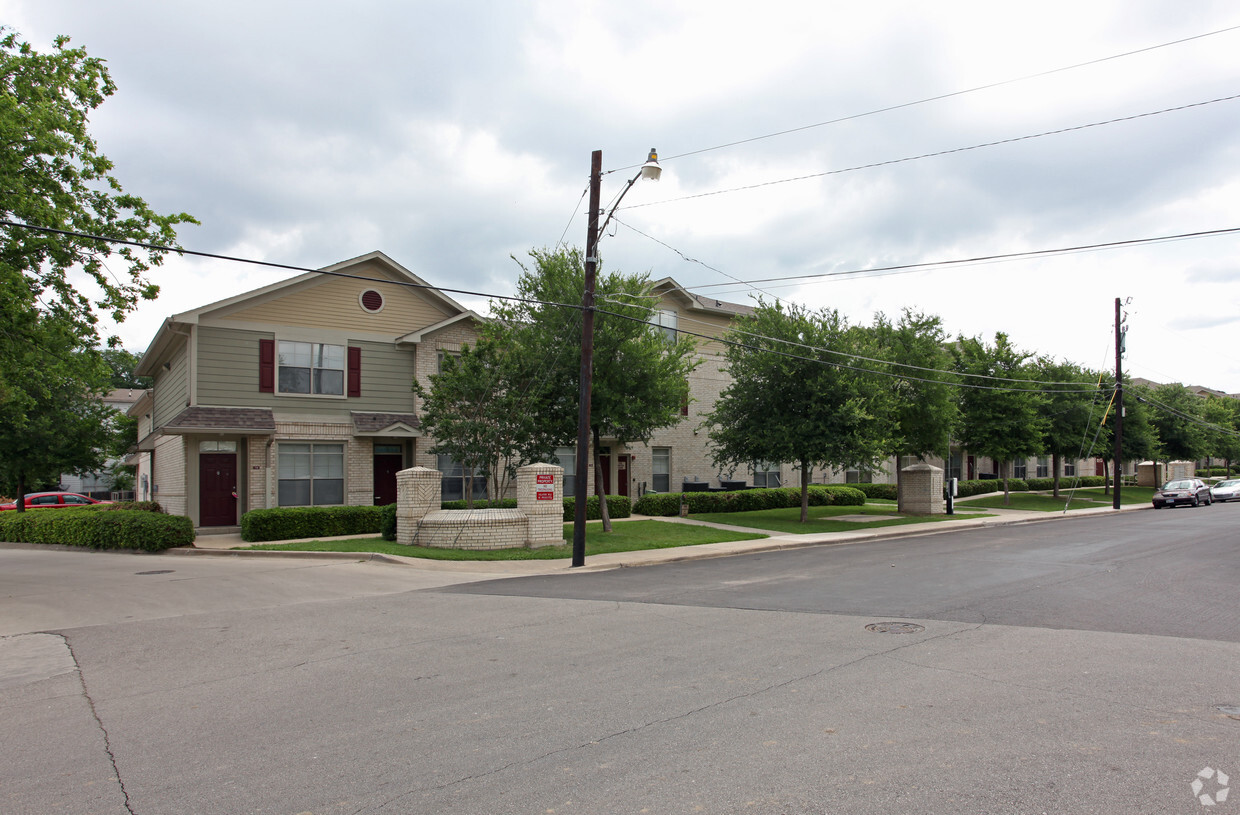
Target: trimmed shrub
140, 506
1066, 482
286, 523
667, 504
886, 492
496, 503
618, 506
116, 529
387, 522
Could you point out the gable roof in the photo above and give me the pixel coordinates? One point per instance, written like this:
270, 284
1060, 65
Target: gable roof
699, 302
167, 335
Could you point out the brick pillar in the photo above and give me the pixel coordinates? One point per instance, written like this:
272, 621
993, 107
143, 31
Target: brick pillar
540, 495
418, 491
921, 490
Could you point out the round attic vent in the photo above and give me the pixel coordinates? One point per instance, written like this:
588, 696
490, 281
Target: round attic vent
372, 301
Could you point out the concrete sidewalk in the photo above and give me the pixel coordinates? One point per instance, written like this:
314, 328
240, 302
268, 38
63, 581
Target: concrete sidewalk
228, 544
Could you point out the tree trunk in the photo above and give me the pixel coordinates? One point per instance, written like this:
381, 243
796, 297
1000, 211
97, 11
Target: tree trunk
1106, 476
21, 492
598, 483
1004, 466
1055, 474
804, 491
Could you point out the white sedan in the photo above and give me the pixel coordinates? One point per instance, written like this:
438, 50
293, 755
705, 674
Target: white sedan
1228, 490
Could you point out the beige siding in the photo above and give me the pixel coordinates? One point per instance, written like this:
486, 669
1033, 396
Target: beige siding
172, 388
228, 376
334, 303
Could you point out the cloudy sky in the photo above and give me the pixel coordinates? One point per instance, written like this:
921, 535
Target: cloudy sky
454, 135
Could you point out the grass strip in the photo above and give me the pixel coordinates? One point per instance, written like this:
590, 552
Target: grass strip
787, 520
626, 536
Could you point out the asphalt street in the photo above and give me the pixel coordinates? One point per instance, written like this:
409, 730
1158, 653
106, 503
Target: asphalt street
1083, 666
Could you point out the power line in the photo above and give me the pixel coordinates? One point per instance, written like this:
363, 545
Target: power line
942, 96
935, 154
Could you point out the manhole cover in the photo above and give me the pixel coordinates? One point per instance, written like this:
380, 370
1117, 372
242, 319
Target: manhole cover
1231, 710
157, 571
895, 628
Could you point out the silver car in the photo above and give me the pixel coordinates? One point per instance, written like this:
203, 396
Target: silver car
1228, 490
1182, 492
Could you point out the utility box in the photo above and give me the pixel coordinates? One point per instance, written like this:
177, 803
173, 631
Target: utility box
1150, 474
921, 490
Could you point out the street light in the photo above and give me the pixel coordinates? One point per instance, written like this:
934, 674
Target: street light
652, 171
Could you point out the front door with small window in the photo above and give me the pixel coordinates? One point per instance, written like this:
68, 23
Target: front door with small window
388, 462
217, 489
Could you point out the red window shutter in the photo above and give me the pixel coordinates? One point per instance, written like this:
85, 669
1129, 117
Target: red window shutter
355, 371
267, 366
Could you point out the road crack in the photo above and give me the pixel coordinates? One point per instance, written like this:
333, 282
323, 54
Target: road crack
107, 740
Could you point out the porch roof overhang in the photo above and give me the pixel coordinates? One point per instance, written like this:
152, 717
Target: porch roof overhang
388, 425
218, 420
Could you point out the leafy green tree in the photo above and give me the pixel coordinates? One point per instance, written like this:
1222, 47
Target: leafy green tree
1176, 414
54, 177
123, 363
926, 405
475, 412
1001, 403
1072, 413
1222, 414
791, 399
55, 422
640, 376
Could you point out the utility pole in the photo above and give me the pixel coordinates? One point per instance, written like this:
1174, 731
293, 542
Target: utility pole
1119, 403
581, 489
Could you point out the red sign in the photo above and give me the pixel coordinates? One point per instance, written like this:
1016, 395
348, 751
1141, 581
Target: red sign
545, 479
545, 495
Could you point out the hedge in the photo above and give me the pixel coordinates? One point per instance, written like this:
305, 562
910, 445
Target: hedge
885, 491
140, 506
618, 506
667, 504
112, 529
285, 523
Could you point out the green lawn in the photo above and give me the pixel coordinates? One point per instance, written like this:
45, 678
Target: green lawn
787, 520
626, 536
1044, 502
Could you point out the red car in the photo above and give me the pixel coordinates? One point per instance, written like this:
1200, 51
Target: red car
41, 500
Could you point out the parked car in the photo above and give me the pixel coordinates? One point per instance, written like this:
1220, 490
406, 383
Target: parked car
42, 500
1182, 492
1228, 490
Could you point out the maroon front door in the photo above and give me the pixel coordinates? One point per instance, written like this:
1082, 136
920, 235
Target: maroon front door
387, 465
622, 474
217, 489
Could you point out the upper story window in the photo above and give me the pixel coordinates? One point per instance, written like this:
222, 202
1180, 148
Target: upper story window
311, 367
665, 323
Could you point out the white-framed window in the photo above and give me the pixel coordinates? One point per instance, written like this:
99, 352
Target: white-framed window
766, 474
213, 446
955, 466
1044, 467
858, 477
666, 322
566, 457
453, 478
311, 474
311, 367
1020, 468
661, 469
1069, 468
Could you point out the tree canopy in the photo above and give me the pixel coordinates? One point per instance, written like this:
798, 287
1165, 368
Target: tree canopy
796, 396
55, 178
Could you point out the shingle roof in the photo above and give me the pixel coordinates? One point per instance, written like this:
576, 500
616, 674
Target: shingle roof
378, 422
244, 420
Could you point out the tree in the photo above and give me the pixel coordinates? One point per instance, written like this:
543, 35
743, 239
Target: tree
925, 388
123, 363
1072, 415
475, 412
55, 422
54, 177
1000, 403
1176, 414
1223, 416
640, 377
791, 399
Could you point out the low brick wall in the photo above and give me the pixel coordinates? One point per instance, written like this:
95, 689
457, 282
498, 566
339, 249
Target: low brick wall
537, 521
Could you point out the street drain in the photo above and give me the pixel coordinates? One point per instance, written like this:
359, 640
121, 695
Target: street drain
895, 628
157, 571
